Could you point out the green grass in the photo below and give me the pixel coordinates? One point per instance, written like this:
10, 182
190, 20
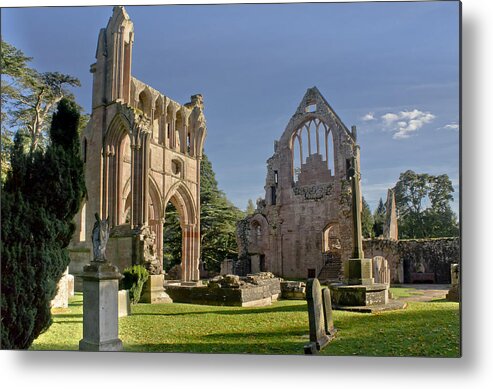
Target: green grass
423, 329
398, 292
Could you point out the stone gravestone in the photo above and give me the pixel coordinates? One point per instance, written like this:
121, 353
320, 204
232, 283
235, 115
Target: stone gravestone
319, 310
100, 290
454, 292
328, 319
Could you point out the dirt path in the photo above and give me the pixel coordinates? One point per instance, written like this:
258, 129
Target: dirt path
425, 292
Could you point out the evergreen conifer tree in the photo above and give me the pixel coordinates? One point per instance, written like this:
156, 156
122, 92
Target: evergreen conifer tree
40, 198
218, 217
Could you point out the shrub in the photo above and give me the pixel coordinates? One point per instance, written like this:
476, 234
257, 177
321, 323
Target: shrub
134, 279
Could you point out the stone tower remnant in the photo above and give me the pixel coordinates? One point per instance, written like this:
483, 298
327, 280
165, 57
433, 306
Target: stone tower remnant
390, 229
141, 150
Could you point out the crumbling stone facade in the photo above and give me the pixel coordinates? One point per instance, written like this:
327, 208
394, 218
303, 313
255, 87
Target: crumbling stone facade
141, 150
304, 222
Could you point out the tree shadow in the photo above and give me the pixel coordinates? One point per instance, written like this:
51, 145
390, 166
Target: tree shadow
237, 311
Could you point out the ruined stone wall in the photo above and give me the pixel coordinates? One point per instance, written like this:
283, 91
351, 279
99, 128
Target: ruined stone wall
411, 256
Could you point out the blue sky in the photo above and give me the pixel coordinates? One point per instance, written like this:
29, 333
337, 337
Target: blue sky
391, 69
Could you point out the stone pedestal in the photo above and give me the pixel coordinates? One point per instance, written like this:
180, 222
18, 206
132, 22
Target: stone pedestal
100, 317
359, 271
360, 292
153, 291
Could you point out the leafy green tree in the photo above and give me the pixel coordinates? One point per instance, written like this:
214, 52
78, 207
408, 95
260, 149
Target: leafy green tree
423, 202
218, 217
40, 198
29, 97
379, 218
250, 210
366, 220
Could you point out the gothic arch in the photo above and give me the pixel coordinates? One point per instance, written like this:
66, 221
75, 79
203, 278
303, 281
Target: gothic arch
115, 145
183, 200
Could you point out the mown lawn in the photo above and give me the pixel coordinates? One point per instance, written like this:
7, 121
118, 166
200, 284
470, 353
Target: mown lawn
423, 329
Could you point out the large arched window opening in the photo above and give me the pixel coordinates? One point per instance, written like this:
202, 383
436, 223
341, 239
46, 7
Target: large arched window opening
312, 137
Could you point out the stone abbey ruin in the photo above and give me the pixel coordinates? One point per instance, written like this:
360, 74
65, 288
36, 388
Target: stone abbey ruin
305, 219
142, 149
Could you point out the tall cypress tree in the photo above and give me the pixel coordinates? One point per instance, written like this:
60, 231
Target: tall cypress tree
40, 198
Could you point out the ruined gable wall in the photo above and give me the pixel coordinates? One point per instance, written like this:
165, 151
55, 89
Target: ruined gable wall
298, 211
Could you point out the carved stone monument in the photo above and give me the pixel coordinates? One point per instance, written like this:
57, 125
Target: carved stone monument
146, 254
360, 292
100, 290
320, 320
454, 292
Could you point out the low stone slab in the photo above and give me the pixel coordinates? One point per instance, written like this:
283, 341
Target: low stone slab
153, 291
246, 296
390, 306
124, 308
293, 290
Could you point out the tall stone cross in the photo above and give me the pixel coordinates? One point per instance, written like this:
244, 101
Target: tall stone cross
355, 176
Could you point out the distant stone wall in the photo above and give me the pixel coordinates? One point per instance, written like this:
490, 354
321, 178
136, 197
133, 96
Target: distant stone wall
409, 258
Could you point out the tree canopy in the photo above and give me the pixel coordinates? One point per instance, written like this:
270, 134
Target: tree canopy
423, 203
28, 100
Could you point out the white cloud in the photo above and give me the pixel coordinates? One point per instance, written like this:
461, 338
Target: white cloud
369, 116
389, 118
407, 122
451, 126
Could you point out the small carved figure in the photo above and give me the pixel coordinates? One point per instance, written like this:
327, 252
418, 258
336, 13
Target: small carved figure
100, 235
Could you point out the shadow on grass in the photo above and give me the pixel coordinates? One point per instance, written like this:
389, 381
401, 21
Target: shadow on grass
237, 311
274, 348
67, 315
54, 347
441, 301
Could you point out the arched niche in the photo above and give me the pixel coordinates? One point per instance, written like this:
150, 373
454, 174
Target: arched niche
144, 103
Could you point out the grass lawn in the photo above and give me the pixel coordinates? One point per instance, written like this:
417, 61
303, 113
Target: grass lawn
423, 329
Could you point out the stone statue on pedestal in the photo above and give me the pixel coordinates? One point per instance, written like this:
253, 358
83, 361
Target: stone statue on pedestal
100, 235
